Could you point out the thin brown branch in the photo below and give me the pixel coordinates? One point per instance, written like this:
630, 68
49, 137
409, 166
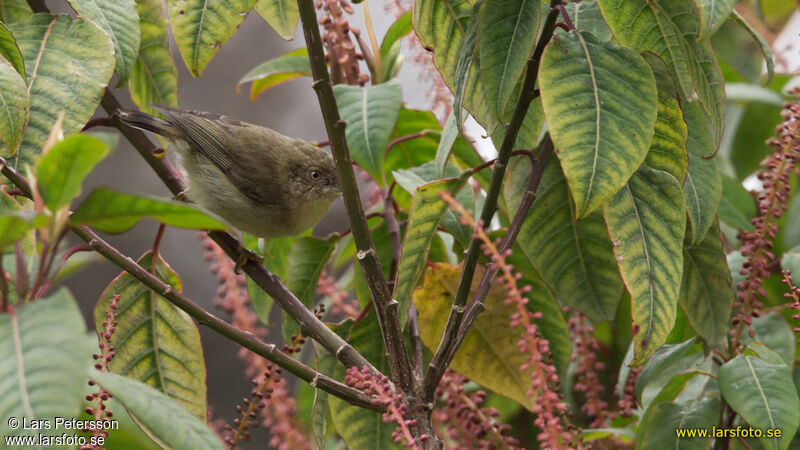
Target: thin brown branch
442, 357
385, 305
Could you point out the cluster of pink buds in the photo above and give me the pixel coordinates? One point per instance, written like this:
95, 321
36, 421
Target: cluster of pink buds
341, 50
100, 412
339, 298
772, 201
380, 388
794, 294
588, 382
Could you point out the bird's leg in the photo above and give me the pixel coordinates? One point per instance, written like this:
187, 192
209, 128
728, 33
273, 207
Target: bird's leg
246, 255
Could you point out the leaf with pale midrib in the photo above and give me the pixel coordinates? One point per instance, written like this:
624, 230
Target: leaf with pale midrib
154, 79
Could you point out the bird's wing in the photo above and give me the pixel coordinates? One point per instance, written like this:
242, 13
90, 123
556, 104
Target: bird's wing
204, 135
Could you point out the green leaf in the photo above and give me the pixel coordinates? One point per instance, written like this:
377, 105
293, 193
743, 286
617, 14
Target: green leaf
665, 362
446, 140
713, 14
307, 258
61, 171
763, 394
120, 20
670, 30
370, 114
10, 51
14, 11
702, 188
441, 25
749, 142
736, 205
154, 79
646, 222
667, 417
43, 361
586, 17
14, 116
572, 256
162, 419
706, 294
466, 55
424, 217
766, 50
358, 427
508, 30
12, 228
398, 30
489, 354
276, 71
281, 15
668, 149
200, 27
156, 343
588, 89
774, 331
115, 212
50, 45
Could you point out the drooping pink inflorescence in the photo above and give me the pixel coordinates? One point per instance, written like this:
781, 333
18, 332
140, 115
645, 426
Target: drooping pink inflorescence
588, 382
107, 352
340, 49
339, 298
794, 294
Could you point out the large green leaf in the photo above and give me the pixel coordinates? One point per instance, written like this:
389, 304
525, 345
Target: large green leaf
706, 294
115, 212
161, 418
370, 114
589, 89
736, 206
121, 21
61, 171
398, 30
572, 256
276, 71
766, 50
667, 361
424, 217
586, 16
154, 79
14, 115
670, 30
14, 11
702, 188
441, 26
200, 27
281, 15
667, 417
12, 228
466, 55
668, 149
508, 31
10, 51
156, 343
713, 13
776, 333
68, 63
646, 222
358, 427
43, 360
307, 257
489, 354
764, 394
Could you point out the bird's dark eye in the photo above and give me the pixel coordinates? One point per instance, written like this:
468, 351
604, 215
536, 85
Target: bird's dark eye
315, 174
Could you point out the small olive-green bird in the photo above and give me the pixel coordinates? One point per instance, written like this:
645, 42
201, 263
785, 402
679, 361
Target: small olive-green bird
258, 180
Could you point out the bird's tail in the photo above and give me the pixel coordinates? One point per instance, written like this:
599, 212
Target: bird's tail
146, 122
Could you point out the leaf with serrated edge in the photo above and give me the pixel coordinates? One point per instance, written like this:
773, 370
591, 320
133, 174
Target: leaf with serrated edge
68, 63
668, 150
154, 79
588, 89
706, 294
702, 188
764, 395
43, 360
646, 222
115, 212
572, 256
200, 27
370, 113
120, 20
161, 418
156, 343
281, 15
441, 26
508, 31
61, 171
14, 117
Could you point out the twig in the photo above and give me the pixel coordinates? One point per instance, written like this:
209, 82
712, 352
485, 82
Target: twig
246, 340
441, 358
385, 305
409, 137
